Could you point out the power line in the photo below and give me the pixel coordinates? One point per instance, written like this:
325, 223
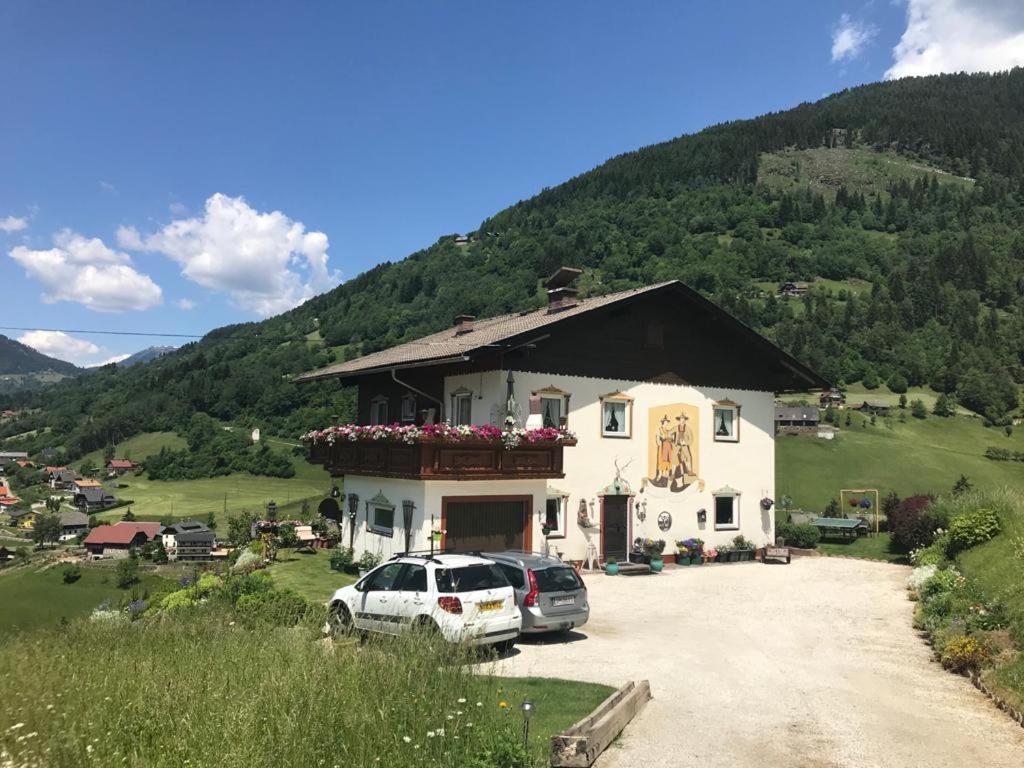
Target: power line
260, 336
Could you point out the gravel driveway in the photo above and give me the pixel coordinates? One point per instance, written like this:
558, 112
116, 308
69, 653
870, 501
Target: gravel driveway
811, 664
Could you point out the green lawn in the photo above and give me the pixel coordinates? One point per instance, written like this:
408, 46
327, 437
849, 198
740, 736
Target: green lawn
916, 456
139, 447
31, 598
309, 575
865, 547
177, 499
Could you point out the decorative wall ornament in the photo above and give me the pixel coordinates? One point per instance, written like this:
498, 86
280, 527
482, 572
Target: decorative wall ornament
665, 521
674, 450
641, 510
582, 518
767, 503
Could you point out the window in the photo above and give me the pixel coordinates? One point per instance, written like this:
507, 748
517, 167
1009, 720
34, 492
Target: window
554, 517
726, 422
380, 515
415, 579
616, 415
384, 579
551, 411
514, 574
469, 579
727, 516
379, 410
462, 407
557, 580
409, 408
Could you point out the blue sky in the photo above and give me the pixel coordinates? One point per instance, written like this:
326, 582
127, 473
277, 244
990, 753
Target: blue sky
178, 166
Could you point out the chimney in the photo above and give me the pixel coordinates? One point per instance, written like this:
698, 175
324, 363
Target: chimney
561, 294
463, 324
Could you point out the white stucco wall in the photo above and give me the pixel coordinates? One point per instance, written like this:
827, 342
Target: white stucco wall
747, 465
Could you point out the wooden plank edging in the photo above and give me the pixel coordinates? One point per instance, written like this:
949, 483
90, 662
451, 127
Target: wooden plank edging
580, 745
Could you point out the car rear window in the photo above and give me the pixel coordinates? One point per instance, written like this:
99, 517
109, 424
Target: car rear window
469, 578
557, 580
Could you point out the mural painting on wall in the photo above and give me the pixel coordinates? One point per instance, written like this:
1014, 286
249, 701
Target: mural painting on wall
674, 447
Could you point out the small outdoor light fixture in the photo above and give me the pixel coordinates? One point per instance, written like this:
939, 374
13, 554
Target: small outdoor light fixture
353, 510
335, 492
271, 510
702, 515
527, 709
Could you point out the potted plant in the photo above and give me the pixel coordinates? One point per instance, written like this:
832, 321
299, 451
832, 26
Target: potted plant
744, 547
710, 554
682, 553
725, 553
697, 552
611, 566
653, 549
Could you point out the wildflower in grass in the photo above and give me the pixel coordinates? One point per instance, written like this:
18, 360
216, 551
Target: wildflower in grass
462, 701
430, 734
503, 704
16, 726
479, 703
440, 731
407, 739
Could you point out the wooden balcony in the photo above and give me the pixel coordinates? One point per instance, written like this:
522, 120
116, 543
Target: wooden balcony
441, 459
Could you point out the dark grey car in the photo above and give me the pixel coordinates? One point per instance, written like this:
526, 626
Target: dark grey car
550, 593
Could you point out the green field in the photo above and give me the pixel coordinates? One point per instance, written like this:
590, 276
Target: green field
866, 547
916, 456
309, 575
139, 447
32, 598
177, 499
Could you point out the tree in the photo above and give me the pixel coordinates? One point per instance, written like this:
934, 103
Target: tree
129, 516
47, 528
903, 401
832, 510
962, 485
159, 553
918, 409
871, 380
240, 529
127, 571
93, 522
286, 535
898, 383
944, 406
53, 503
211, 522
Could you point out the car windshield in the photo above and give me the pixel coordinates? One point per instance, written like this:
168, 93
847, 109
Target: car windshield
469, 578
557, 580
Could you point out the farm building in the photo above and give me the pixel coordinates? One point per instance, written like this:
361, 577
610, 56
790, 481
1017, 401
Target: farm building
119, 539
799, 418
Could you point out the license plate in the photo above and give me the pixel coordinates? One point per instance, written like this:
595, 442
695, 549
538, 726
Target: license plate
491, 605
563, 601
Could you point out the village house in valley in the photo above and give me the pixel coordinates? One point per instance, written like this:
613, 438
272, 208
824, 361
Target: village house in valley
117, 540
579, 426
188, 540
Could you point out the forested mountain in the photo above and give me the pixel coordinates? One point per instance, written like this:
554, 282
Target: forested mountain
911, 225
16, 357
144, 356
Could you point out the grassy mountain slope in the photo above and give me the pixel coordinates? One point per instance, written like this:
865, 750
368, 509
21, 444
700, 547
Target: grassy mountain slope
939, 263
22, 367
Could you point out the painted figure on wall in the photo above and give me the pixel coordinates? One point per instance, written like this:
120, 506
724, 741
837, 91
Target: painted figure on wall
674, 448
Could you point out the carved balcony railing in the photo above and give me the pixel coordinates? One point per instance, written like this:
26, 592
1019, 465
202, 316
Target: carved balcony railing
429, 458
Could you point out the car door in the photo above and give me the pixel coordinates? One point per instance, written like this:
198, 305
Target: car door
378, 606
412, 596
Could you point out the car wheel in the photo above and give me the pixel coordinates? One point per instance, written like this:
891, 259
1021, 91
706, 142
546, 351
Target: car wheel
339, 620
505, 646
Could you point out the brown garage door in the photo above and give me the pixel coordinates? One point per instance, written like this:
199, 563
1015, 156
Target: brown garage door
485, 525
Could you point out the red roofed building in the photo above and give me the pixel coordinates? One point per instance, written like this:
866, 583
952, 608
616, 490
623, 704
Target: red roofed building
120, 466
118, 539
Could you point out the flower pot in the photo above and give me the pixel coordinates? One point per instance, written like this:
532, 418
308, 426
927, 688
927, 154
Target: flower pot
682, 559
657, 564
611, 569
697, 560
734, 557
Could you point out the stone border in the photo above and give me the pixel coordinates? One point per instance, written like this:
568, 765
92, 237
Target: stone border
1000, 702
580, 745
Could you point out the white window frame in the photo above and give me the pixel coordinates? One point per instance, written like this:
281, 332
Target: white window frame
561, 397
373, 506
375, 404
558, 532
731, 407
408, 412
735, 525
559, 404
626, 430
459, 396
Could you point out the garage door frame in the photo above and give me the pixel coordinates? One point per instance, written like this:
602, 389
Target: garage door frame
527, 501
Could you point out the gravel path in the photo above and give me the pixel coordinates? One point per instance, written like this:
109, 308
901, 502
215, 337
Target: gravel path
813, 664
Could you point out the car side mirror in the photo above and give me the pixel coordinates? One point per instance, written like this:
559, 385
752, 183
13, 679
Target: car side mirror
360, 586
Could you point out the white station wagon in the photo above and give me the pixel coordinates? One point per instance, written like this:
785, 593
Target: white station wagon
462, 597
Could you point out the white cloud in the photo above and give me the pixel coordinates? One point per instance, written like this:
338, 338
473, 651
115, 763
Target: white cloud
266, 262
11, 224
186, 304
86, 271
850, 37
60, 345
129, 238
960, 36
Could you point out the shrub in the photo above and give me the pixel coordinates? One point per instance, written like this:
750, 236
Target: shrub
127, 572
910, 524
920, 575
238, 585
342, 559
803, 535
71, 574
278, 607
934, 553
183, 598
941, 582
973, 528
368, 561
918, 409
246, 562
962, 653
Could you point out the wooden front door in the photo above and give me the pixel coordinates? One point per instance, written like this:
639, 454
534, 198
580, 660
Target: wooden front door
615, 527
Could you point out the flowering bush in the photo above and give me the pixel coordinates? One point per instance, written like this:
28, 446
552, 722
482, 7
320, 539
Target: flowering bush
962, 653
690, 547
920, 575
411, 433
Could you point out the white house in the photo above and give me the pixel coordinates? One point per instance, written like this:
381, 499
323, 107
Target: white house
577, 427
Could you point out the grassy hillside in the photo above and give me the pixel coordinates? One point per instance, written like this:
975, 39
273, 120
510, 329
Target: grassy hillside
137, 448
860, 170
916, 456
177, 499
33, 597
309, 575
